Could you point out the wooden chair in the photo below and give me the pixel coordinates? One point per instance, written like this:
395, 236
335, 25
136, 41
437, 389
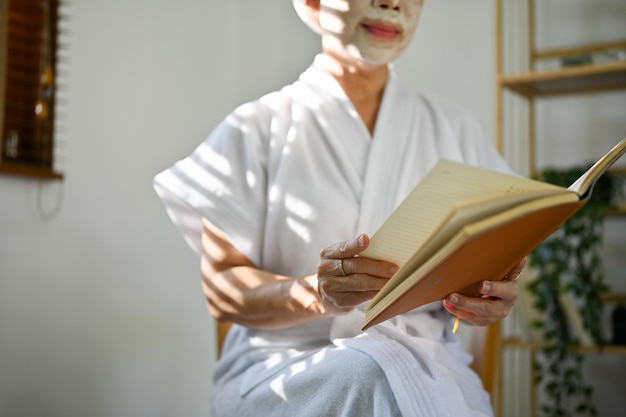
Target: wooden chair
222, 329
486, 348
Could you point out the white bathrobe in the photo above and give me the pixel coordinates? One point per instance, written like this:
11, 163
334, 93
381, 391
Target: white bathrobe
291, 173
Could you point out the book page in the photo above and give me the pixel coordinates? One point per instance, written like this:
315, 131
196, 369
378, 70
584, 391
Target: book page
451, 195
584, 185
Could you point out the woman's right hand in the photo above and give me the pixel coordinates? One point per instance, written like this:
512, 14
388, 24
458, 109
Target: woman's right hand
346, 280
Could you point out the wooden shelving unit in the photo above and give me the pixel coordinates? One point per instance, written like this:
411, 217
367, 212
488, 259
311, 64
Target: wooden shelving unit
536, 84
543, 78
573, 80
515, 343
534, 347
533, 84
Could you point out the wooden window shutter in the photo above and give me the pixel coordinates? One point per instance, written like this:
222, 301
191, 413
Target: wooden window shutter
29, 87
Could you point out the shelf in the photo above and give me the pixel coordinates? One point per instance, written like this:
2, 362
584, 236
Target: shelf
614, 298
588, 49
522, 344
580, 79
33, 171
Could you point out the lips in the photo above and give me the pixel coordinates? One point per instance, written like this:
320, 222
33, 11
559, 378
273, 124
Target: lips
382, 29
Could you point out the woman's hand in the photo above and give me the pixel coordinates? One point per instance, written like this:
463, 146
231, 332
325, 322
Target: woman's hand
497, 299
346, 280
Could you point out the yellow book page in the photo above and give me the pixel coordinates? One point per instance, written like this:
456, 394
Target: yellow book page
451, 195
584, 185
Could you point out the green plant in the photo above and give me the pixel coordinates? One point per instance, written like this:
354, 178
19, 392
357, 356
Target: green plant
570, 260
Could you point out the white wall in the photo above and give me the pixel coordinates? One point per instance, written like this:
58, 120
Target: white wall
101, 311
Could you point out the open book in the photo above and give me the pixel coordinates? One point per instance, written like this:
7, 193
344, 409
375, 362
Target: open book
461, 225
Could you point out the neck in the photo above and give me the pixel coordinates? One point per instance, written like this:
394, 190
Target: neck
363, 85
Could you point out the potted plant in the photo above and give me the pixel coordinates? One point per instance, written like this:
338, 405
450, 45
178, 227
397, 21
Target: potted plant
570, 260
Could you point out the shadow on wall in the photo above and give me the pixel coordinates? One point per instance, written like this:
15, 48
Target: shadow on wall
27, 405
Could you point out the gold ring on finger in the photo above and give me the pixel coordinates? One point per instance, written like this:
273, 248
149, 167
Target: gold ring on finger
341, 267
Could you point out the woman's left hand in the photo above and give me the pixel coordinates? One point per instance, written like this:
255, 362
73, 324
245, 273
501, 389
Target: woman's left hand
496, 300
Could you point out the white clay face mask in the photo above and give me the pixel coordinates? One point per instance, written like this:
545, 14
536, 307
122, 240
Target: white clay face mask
371, 31
392, 3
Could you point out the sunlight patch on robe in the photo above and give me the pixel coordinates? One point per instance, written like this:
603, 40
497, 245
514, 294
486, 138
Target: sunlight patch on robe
299, 228
314, 104
274, 193
299, 207
215, 160
275, 102
353, 112
318, 357
298, 367
278, 387
207, 170
251, 179
292, 133
245, 111
277, 384
323, 122
302, 214
258, 341
195, 194
204, 179
278, 358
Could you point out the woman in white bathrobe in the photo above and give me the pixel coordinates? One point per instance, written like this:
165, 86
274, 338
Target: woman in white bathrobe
280, 199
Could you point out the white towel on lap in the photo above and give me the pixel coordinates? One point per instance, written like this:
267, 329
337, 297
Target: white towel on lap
389, 370
428, 376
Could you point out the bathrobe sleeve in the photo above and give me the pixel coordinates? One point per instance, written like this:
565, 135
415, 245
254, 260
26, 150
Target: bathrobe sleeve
223, 180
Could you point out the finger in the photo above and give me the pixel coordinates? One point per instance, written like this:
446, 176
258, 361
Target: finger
480, 311
342, 267
353, 283
514, 273
331, 267
365, 266
503, 290
347, 301
339, 263
345, 249
469, 316
343, 293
